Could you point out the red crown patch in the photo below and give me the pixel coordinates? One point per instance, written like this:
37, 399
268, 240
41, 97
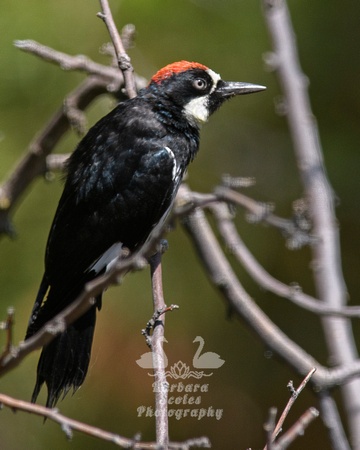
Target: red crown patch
174, 68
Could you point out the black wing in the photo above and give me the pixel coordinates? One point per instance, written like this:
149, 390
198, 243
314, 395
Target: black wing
118, 187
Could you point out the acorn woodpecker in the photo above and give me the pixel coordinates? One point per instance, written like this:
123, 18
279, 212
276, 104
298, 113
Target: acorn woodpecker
120, 186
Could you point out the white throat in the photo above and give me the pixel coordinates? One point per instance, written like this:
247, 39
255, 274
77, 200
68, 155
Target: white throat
197, 111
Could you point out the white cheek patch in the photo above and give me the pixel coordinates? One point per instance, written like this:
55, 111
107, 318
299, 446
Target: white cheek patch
197, 111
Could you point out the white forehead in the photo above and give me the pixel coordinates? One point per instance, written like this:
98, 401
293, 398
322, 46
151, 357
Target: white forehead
215, 77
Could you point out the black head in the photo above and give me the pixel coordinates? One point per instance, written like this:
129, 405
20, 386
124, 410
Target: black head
196, 89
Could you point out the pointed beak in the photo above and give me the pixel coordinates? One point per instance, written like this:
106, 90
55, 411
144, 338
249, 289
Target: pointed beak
228, 89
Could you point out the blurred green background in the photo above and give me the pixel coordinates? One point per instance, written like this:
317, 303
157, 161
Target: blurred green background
245, 138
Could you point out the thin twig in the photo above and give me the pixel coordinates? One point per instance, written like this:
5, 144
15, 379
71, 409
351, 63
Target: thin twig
294, 395
67, 62
151, 323
298, 429
122, 57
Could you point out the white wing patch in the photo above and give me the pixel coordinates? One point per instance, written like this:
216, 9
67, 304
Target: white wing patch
175, 169
176, 178
107, 259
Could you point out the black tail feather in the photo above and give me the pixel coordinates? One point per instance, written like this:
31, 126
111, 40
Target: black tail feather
37, 307
64, 362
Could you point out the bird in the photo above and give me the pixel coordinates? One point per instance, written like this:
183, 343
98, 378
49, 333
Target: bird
120, 184
208, 360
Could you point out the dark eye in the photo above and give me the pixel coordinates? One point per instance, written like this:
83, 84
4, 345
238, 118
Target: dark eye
200, 84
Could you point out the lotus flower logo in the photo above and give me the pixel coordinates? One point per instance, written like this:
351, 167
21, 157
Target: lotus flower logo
178, 370
181, 370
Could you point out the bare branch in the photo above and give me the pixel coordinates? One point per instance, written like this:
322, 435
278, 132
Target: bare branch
235, 245
104, 79
66, 62
296, 234
69, 425
33, 163
332, 421
263, 212
326, 248
122, 57
297, 429
222, 276
157, 340
294, 395
82, 63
